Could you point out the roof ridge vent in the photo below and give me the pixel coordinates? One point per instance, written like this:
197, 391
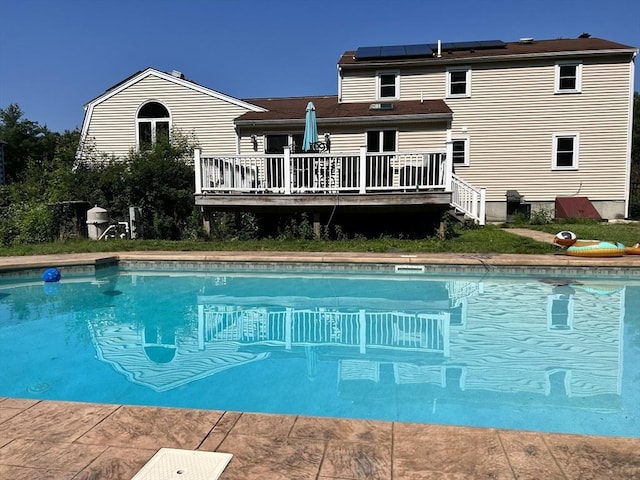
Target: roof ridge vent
527, 40
177, 74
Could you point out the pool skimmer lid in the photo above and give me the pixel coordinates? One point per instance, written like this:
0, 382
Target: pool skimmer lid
172, 463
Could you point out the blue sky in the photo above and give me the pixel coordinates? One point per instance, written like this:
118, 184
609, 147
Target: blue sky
56, 55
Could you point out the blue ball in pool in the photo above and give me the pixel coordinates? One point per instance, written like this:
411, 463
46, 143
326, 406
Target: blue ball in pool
51, 275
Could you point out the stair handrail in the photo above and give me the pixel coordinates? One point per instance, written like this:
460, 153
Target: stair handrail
468, 199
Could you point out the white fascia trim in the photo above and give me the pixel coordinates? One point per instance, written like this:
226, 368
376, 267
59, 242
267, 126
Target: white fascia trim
179, 81
88, 112
345, 120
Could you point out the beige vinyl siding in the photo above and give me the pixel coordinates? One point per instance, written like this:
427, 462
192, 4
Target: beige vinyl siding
207, 118
511, 136
423, 83
359, 87
430, 139
410, 138
512, 116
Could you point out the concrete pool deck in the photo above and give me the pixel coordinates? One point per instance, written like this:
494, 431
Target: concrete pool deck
62, 440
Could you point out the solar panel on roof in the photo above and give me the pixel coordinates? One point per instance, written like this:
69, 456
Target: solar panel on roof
417, 50
492, 44
368, 52
473, 45
393, 51
424, 50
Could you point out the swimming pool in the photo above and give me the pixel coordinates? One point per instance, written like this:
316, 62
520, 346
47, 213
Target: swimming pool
531, 353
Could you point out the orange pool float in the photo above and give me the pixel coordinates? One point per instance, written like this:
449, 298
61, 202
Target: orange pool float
635, 250
595, 248
590, 248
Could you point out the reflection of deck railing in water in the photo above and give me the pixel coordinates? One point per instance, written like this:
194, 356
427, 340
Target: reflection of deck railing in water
293, 173
304, 327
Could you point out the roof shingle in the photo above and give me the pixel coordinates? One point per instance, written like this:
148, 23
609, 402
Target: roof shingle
524, 48
328, 108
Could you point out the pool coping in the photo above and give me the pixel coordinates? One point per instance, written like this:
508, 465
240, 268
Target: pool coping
494, 259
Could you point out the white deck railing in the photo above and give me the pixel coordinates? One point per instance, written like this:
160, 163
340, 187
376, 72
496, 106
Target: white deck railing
331, 173
293, 173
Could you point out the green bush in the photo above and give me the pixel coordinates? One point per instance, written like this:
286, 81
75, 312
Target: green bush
541, 216
25, 223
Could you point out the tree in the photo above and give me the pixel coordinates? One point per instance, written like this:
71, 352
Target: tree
26, 141
161, 182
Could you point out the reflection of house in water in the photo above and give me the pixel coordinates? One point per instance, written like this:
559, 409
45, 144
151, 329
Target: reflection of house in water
557, 342
163, 360
468, 339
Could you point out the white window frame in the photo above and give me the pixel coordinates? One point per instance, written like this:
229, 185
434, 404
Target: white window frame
379, 75
381, 140
467, 70
578, 86
153, 122
576, 150
465, 139
295, 148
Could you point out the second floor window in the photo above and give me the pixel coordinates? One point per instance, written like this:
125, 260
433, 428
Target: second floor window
387, 84
153, 125
568, 77
459, 82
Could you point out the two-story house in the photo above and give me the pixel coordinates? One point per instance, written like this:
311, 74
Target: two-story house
416, 129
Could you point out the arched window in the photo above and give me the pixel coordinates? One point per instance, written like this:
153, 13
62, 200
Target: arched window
153, 125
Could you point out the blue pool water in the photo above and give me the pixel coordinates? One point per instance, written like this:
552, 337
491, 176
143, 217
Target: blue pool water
543, 354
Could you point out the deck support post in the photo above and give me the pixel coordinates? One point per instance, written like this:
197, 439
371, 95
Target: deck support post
317, 226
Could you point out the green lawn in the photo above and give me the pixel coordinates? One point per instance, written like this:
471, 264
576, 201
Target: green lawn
625, 233
489, 239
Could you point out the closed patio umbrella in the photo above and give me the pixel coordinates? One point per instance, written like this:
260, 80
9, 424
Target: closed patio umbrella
310, 128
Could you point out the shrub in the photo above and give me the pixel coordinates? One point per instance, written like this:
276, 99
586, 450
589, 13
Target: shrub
25, 223
541, 216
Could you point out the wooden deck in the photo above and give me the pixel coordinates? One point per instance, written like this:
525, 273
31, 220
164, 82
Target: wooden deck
318, 182
257, 201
